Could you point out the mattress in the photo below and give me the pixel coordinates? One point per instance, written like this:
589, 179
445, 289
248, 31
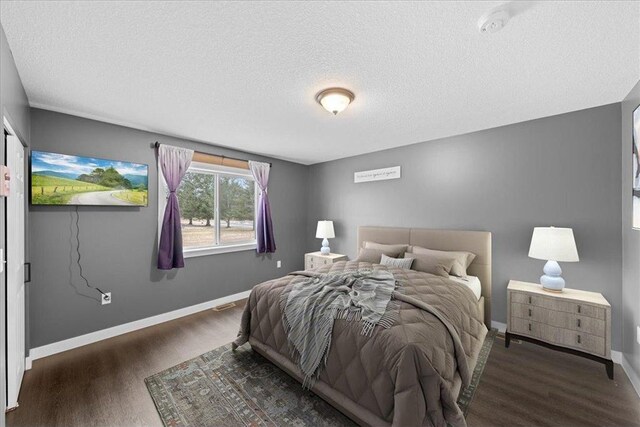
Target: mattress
408, 374
472, 282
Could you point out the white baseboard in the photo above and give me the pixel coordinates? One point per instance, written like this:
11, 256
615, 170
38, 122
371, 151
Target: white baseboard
501, 327
82, 340
631, 374
616, 356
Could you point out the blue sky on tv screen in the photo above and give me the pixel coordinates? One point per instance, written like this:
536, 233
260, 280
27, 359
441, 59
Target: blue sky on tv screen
76, 166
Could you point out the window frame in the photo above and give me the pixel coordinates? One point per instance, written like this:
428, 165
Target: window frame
217, 170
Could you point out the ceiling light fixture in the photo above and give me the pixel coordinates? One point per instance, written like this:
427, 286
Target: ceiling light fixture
493, 21
335, 99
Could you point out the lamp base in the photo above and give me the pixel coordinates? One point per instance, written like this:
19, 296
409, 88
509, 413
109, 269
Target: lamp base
325, 249
552, 279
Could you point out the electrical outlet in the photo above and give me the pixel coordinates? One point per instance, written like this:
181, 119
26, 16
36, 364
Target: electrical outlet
638, 334
278, 264
106, 298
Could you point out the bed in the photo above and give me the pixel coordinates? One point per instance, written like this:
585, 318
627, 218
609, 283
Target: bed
410, 373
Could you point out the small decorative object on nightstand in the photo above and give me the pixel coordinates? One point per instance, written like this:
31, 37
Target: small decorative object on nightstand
324, 232
316, 259
553, 244
574, 321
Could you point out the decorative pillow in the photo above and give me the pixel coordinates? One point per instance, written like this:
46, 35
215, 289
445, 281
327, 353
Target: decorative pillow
398, 248
462, 259
428, 264
374, 255
396, 262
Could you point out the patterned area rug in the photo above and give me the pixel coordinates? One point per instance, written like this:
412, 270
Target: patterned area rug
241, 388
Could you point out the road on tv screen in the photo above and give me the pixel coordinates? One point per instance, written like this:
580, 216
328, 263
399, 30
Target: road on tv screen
101, 198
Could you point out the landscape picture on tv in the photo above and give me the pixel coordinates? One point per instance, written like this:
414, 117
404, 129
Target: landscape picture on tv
60, 179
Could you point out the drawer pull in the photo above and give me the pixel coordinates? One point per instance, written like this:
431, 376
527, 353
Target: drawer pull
529, 312
529, 299
529, 326
579, 323
579, 340
579, 309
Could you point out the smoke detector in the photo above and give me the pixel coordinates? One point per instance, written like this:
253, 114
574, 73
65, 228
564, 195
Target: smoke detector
493, 21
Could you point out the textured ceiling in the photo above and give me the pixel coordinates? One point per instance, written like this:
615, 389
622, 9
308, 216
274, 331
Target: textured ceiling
244, 74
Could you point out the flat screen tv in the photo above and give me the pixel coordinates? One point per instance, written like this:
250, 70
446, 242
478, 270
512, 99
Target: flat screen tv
61, 179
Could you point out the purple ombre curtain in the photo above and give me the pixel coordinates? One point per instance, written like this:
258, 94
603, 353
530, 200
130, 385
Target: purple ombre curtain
264, 228
174, 162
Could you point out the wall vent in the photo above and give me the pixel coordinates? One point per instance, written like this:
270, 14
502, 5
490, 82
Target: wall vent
224, 306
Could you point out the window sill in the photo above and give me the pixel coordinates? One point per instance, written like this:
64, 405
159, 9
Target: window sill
192, 253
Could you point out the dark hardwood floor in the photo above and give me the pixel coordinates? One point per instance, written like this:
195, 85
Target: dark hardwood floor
103, 384
529, 385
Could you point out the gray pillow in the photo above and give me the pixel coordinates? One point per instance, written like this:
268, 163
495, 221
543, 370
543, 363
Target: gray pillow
374, 255
434, 265
396, 262
396, 248
461, 259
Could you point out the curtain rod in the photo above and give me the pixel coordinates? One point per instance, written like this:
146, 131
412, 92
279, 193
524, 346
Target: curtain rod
157, 144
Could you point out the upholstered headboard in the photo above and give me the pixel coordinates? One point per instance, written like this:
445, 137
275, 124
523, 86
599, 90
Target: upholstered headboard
477, 242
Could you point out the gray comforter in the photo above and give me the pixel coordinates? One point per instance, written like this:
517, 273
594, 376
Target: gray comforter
407, 375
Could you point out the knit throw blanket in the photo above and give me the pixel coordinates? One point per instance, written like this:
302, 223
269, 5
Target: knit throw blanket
311, 305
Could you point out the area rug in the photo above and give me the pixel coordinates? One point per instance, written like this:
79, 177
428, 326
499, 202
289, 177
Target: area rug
242, 388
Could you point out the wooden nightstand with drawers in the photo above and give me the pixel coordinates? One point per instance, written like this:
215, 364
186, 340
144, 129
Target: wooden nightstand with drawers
316, 259
573, 321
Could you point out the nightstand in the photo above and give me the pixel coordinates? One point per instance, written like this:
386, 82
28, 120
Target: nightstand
572, 321
316, 259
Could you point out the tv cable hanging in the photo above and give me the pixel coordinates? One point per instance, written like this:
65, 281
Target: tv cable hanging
86, 281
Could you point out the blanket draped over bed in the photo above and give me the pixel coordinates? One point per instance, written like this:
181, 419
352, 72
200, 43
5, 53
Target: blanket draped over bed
311, 306
408, 373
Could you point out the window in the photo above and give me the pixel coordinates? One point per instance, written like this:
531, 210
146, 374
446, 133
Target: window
217, 206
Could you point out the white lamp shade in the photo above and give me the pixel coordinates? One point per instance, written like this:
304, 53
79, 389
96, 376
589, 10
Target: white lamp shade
551, 243
325, 230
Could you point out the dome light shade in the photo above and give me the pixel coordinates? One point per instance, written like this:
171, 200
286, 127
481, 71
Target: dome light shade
335, 100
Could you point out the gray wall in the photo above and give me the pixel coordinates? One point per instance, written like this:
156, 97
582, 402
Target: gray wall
562, 170
630, 242
119, 244
15, 106
13, 98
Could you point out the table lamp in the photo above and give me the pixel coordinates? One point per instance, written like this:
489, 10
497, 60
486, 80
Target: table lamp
553, 244
324, 232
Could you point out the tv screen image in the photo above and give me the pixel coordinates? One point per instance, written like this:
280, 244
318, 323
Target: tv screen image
61, 179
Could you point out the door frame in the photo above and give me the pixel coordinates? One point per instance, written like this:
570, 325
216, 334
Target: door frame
10, 130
